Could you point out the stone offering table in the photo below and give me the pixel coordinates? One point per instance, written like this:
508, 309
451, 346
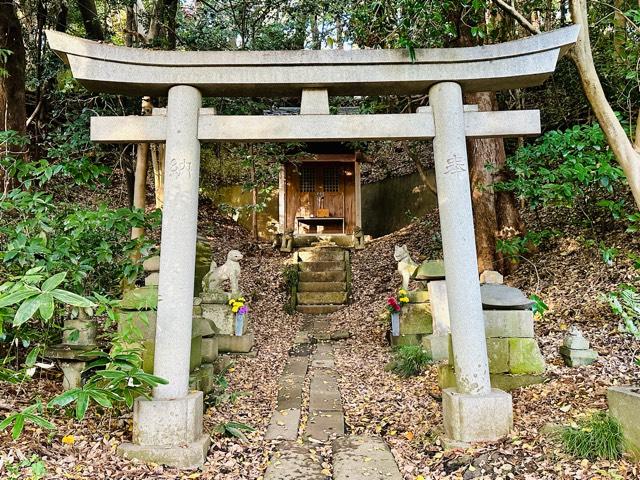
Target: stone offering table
214, 309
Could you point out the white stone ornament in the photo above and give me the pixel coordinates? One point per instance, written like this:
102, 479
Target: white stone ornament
406, 266
230, 270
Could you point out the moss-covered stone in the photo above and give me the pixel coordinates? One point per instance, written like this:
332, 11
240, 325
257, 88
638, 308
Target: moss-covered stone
525, 356
498, 352
416, 318
502, 381
411, 339
430, 270
418, 296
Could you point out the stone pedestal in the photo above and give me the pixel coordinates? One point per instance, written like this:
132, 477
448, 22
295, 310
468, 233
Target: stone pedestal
575, 350
624, 405
415, 319
216, 311
168, 432
515, 359
482, 417
78, 338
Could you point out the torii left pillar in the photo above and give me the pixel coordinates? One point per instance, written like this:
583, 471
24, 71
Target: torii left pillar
168, 428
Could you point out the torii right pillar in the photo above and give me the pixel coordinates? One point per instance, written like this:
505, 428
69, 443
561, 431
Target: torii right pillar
472, 412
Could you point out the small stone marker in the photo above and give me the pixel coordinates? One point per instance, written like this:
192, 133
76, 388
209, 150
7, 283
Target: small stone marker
491, 276
575, 349
501, 297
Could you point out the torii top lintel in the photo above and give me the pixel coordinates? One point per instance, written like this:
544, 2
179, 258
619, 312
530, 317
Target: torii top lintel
134, 71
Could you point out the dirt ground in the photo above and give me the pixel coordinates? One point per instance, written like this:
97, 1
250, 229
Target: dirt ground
566, 273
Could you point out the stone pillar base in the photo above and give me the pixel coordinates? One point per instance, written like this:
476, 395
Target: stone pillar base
168, 432
187, 456
476, 418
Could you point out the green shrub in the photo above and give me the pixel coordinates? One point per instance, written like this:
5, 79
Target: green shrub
625, 302
596, 437
409, 360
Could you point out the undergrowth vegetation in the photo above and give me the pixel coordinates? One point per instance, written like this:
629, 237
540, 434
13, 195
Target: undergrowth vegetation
409, 360
598, 436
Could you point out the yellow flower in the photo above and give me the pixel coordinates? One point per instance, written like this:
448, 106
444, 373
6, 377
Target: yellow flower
241, 299
404, 299
231, 300
235, 309
402, 291
68, 440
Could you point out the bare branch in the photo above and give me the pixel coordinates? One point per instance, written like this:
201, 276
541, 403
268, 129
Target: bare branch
521, 19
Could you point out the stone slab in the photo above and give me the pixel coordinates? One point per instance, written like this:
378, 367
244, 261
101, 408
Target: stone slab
430, 270
415, 318
525, 356
221, 318
321, 254
498, 297
322, 298
624, 405
322, 425
209, 349
337, 276
363, 457
294, 462
414, 339
283, 425
501, 381
152, 264
322, 286
576, 342
187, 456
491, 276
235, 344
318, 309
477, 418
290, 392
439, 306
324, 393
437, 346
322, 266
152, 279
296, 366
508, 323
498, 352
418, 296
578, 358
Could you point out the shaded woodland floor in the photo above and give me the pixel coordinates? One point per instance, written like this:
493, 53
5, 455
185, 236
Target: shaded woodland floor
566, 273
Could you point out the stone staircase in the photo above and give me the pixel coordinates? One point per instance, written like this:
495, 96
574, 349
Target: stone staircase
323, 279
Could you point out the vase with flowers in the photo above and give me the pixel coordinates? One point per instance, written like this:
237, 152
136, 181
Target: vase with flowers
394, 306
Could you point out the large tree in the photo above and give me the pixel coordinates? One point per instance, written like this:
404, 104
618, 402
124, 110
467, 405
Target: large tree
12, 81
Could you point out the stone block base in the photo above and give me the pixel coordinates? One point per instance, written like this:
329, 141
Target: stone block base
476, 418
437, 346
415, 318
234, 344
168, 423
209, 349
190, 455
578, 358
624, 405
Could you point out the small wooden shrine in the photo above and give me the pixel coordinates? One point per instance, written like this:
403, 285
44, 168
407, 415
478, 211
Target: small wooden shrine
320, 195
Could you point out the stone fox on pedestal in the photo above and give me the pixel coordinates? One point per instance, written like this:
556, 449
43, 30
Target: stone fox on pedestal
217, 274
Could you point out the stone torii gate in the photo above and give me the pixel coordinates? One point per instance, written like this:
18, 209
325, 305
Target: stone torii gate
168, 428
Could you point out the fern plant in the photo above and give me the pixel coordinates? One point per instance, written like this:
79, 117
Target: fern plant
234, 429
625, 302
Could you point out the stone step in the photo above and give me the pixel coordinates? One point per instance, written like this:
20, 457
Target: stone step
363, 457
321, 255
322, 286
336, 276
322, 298
283, 425
295, 462
318, 309
322, 425
322, 266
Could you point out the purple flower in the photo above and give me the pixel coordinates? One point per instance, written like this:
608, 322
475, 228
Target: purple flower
243, 310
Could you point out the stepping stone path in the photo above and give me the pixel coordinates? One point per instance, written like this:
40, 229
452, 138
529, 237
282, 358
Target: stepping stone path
355, 457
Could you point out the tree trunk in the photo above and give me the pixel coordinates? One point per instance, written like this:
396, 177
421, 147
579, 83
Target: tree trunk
619, 29
628, 154
482, 154
90, 19
254, 199
13, 113
171, 13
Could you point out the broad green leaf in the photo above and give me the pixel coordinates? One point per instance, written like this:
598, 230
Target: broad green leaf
7, 421
17, 297
46, 306
64, 398
32, 357
101, 399
82, 404
70, 298
26, 311
18, 426
52, 282
39, 421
